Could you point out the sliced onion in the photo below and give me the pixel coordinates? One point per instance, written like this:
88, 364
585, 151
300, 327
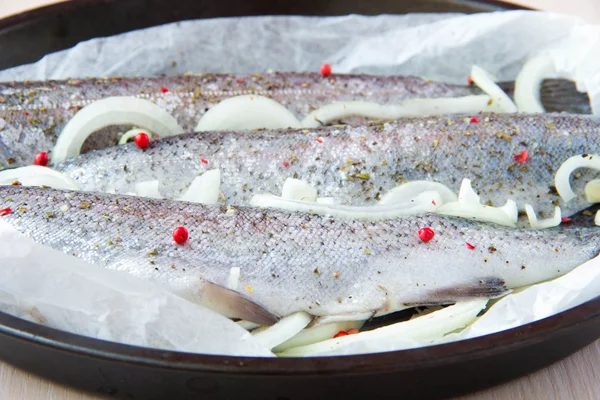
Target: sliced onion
592, 191
248, 325
35, 175
409, 190
234, 278
295, 189
283, 330
415, 332
597, 218
325, 200
422, 203
485, 82
148, 189
205, 189
317, 334
131, 134
542, 223
408, 108
469, 206
563, 174
245, 113
112, 111
528, 84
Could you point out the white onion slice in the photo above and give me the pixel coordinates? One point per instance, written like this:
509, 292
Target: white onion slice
416, 332
422, 203
408, 108
326, 200
35, 175
408, 190
469, 206
317, 334
485, 82
295, 189
592, 191
112, 111
234, 278
205, 189
563, 174
283, 330
148, 189
247, 325
132, 133
528, 84
597, 218
542, 223
245, 113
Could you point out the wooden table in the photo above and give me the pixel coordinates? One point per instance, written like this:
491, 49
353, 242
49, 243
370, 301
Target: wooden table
577, 377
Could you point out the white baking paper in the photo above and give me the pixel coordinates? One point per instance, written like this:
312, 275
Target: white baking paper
58, 290
54, 289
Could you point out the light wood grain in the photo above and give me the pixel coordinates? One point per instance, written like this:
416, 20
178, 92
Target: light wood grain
575, 378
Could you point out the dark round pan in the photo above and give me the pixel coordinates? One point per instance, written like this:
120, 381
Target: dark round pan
139, 373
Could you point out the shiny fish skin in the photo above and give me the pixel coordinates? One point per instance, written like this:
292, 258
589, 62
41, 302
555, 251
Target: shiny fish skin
295, 261
32, 114
358, 164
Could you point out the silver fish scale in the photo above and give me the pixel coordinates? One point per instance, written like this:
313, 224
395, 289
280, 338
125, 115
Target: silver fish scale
34, 113
358, 164
293, 261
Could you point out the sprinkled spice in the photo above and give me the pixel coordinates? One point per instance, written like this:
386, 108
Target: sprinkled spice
164, 90
319, 140
470, 81
474, 120
368, 252
41, 159
5, 211
470, 246
522, 157
326, 70
426, 234
142, 140
286, 164
204, 161
565, 220
85, 205
180, 235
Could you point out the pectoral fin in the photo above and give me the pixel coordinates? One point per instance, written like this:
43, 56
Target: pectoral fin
234, 305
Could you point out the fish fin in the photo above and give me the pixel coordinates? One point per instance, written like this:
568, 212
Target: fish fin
485, 287
557, 95
326, 319
234, 304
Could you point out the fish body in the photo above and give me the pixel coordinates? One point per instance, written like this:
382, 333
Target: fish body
292, 261
356, 165
32, 114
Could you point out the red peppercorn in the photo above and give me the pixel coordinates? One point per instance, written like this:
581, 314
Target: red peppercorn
5, 211
565, 220
474, 120
203, 161
352, 331
470, 246
522, 157
180, 235
426, 234
319, 140
286, 164
164, 89
326, 70
470, 81
340, 334
41, 159
142, 140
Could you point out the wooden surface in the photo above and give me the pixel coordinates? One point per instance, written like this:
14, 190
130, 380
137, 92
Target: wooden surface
575, 378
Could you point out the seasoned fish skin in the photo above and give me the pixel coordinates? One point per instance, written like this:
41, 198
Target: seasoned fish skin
294, 261
358, 164
32, 114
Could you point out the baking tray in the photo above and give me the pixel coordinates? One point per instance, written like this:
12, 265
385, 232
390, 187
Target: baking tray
130, 372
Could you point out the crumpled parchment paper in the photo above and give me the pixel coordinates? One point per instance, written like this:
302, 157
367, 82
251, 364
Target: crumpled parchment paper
45, 286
